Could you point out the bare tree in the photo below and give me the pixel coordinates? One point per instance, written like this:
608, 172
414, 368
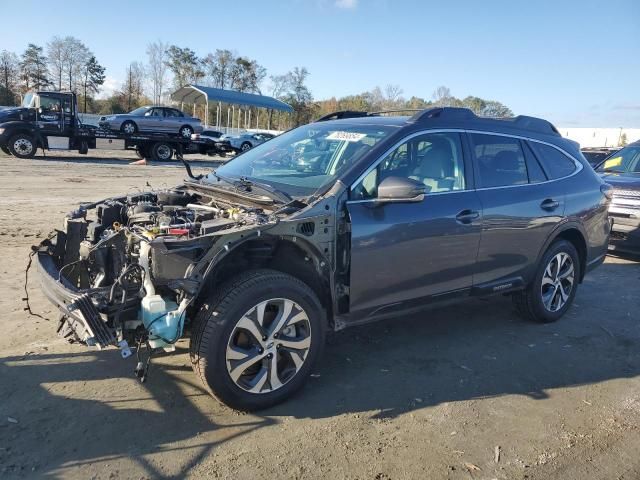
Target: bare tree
157, 55
67, 57
9, 77
442, 96
132, 89
56, 57
76, 56
392, 94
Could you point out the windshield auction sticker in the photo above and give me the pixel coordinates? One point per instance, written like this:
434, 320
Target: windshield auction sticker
346, 136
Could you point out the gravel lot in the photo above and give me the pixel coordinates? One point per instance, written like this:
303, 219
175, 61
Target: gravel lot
471, 391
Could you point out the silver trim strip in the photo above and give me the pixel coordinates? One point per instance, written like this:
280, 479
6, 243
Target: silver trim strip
577, 163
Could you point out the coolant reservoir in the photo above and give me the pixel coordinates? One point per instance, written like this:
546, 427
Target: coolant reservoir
162, 318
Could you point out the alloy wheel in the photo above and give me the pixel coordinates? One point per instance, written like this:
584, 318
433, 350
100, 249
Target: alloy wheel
129, 128
245, 147
186, 132
557, 282
268, 345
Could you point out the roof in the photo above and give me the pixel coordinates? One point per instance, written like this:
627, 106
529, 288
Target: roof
452, 117
199, 94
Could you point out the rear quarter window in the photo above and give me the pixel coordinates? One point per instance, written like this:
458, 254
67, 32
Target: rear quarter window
555, 163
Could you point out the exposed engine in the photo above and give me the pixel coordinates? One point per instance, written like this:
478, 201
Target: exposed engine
135, 254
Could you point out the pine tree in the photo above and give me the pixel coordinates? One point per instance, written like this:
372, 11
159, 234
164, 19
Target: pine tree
34, 74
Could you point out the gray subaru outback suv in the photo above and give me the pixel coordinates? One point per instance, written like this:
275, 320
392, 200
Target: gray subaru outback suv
337, 223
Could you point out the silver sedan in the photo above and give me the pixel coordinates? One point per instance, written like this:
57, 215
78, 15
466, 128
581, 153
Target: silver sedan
153, 119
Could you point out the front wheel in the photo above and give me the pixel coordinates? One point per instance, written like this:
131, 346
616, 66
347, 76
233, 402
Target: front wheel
22, 145
256, 341
553, 289
129, 127
245, 146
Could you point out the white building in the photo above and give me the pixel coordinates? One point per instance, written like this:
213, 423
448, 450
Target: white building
599, 137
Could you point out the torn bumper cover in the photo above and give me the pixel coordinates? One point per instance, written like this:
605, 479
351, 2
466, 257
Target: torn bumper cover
81, 318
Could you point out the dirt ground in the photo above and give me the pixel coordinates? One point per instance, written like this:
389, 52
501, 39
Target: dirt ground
471, 391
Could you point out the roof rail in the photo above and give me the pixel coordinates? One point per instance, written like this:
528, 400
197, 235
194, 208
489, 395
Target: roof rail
360, 113
343, 114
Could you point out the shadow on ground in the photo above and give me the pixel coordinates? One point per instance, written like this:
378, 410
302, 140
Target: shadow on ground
474, 350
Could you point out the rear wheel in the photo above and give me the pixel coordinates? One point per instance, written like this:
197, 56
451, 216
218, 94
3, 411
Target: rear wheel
554, 287
128, 127
161, 151
256, 340
185, 131
245, 146
22, 145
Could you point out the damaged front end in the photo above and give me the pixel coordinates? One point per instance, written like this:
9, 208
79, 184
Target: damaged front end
126, 270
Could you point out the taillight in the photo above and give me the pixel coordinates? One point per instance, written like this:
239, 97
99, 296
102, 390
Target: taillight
607, 190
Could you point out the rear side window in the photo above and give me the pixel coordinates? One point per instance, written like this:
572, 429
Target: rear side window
536, 174
500, 160
555, 163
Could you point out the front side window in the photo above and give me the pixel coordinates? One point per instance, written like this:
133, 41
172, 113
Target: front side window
555, 163
500, 160
433, 159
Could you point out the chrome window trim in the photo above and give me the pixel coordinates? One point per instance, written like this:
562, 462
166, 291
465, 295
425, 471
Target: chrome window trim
579, 166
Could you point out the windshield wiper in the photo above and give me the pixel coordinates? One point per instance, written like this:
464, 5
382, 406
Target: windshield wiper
248, 185
278, 195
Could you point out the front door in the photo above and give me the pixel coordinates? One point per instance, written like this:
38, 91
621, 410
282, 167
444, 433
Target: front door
405, 253
50, 115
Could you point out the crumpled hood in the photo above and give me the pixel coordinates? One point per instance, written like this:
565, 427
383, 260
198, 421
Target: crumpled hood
622, 181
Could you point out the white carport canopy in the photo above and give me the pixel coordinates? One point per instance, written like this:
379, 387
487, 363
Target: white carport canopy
201, 95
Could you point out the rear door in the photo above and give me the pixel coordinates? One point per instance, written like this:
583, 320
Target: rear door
153, 120
173, 120
520, 209
404, 253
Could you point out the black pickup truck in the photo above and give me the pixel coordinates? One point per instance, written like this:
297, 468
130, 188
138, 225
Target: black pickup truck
49, 120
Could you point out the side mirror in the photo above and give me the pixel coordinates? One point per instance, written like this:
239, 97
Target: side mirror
400, 189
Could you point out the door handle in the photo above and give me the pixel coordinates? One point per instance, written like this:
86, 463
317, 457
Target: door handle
549, 204
467, 216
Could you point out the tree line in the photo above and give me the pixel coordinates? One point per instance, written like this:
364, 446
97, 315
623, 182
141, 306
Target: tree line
66, 63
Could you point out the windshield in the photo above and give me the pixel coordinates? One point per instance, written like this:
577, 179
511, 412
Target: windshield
301, 161
626, 160
139, 111
28, 100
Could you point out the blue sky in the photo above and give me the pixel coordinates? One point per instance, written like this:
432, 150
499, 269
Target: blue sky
574, 62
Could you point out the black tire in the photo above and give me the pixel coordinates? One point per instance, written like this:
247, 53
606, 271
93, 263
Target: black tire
84, 147
22, 145
161, 151
245, 146
5, 149
129, 127
217, 319
529, 303
185, 131
141, 153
